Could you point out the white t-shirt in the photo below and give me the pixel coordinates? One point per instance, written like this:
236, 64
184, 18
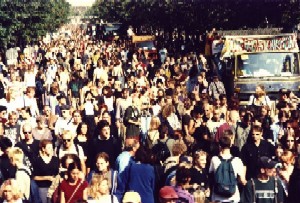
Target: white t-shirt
238, 168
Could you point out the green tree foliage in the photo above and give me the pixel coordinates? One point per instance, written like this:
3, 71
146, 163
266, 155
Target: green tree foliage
199, 15
23, 21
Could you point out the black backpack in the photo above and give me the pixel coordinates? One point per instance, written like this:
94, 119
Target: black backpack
161, 150
224, 177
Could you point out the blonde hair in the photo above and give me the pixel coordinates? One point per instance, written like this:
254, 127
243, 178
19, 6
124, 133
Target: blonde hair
93, 189
287, 157
15, 190
16, 154
154, 123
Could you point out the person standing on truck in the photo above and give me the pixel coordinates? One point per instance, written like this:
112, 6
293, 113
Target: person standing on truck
216, 48
215, 88
259, 99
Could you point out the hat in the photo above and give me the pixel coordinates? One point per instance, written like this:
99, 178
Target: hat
132, 197
3, 108
185, 159
65, 107
266, 162
168, 192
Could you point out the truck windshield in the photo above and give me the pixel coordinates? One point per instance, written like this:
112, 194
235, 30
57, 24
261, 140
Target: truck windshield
267, 64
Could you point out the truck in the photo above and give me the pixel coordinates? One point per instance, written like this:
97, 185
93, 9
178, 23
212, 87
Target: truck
270, 60
145, 43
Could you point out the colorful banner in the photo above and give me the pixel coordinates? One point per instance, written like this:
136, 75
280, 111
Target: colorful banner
260, 43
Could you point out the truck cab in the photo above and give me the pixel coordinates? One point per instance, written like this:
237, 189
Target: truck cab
270, 60
145, 43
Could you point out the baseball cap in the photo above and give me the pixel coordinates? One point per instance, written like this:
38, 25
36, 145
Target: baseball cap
185, 159
266, 162
168, 192
132, 197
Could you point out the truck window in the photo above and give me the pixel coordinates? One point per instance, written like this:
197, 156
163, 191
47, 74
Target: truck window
267, 64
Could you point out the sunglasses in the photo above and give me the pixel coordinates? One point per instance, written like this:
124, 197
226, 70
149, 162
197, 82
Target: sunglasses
26, 132
290, 140
66, 140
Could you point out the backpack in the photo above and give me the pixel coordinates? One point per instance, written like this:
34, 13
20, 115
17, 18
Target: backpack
224, 177
161, 150
58, 149
34, 195
275, 190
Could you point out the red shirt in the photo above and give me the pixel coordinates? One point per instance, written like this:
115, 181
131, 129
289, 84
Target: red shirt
69, 189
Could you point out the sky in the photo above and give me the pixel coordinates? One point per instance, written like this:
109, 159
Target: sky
81, 2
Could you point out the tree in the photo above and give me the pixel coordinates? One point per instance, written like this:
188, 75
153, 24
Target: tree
23, 21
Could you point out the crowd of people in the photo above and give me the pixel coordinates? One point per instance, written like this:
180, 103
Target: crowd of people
84, 120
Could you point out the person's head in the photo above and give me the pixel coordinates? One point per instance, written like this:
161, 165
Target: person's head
67, 139
257, 120
69, 158
27, 132
12, 118
46, 110
143, 155
257, 133
185, 161
234, 116
266, 166
264, 110
102, 162
183, 176
65, 110
284, 94
290, 142
106, 116
132, 197
82, 129
154, 123
30, 92
260, 90
216, 114
73, 172
200, 158
10, 191
16, 156
46, 147
287, 159
3, 111
131, 145
5, 145
278, 151
103, 186
179, 148
40, 120
167, 194
125, 93
104, 129
247, 118
76, 115
225, 142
